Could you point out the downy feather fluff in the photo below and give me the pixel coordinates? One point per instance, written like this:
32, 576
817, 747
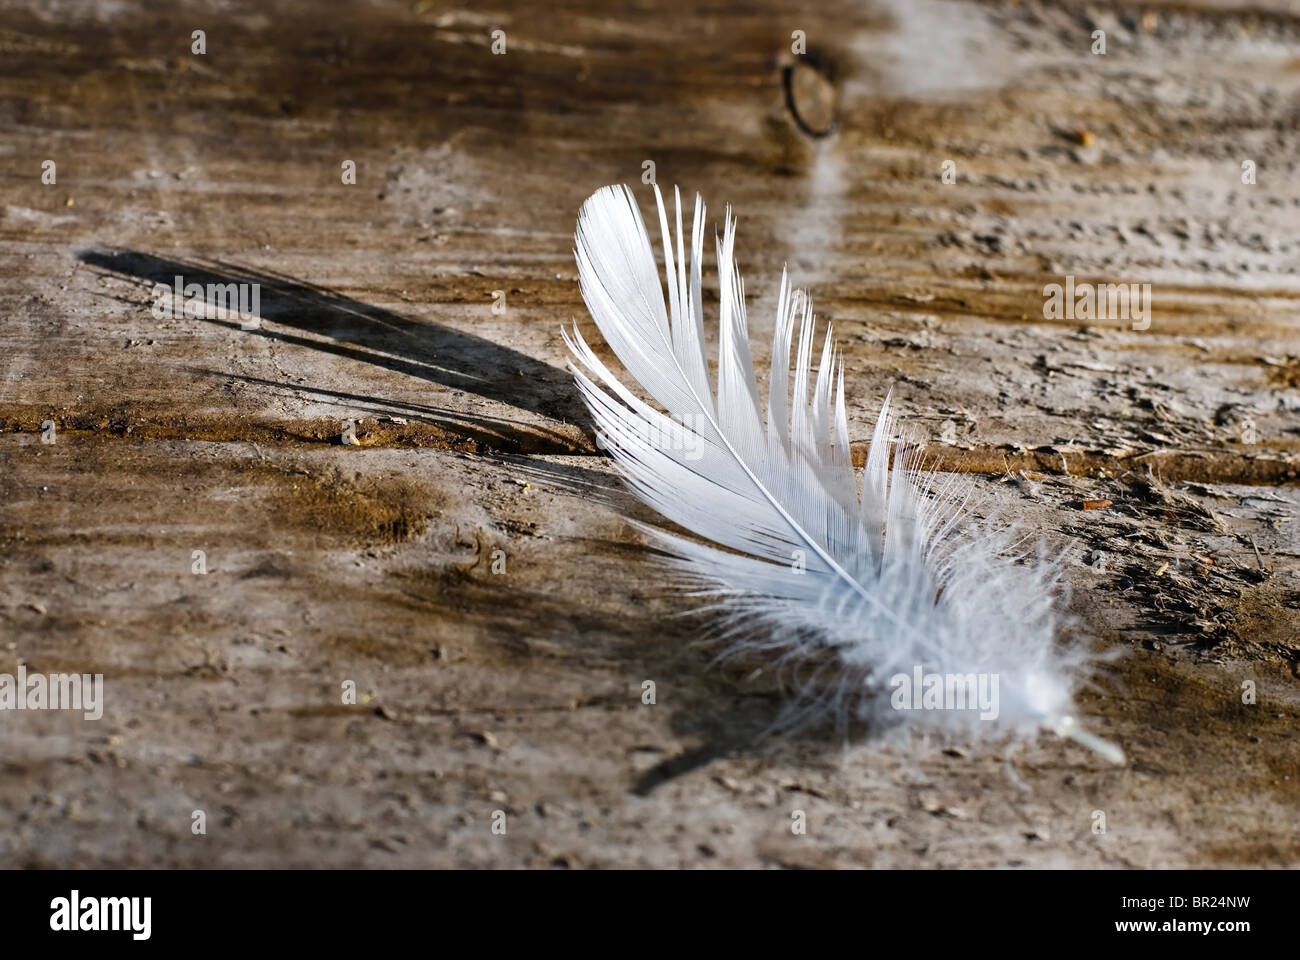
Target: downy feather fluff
802, 565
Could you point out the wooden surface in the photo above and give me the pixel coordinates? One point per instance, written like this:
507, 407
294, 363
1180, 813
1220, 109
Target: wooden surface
521, 691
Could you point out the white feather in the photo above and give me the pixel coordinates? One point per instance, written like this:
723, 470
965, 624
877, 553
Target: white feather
800, 564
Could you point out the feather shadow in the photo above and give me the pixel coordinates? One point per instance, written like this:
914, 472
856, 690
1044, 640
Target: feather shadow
361, 331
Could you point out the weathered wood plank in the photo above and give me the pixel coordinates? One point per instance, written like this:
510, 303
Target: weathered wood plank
374, 563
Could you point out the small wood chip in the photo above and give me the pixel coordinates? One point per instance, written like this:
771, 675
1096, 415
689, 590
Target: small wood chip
1096, 504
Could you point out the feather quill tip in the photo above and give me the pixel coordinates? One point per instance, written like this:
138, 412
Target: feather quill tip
1068, 728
